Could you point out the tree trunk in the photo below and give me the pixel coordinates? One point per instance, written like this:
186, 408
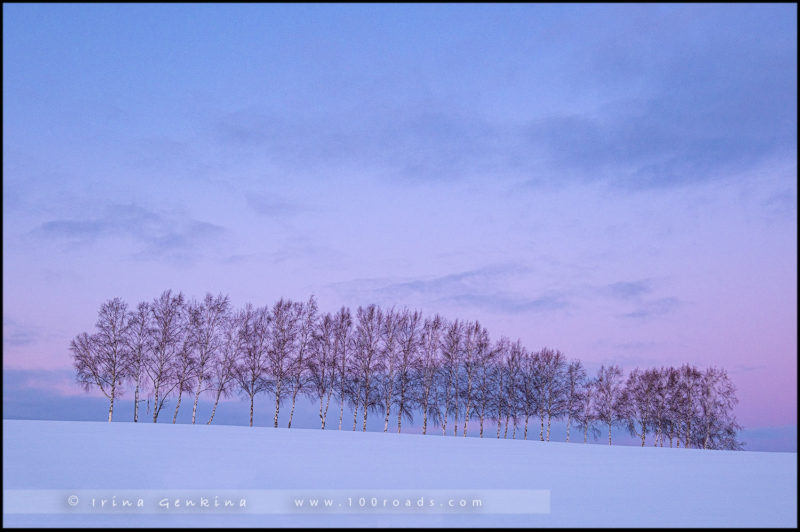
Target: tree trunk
609, 433
341, 407
541, 428
505, 433
569, 420
177, 406
136, 403
527, 416
155, 402
321, 419
251, 409
585, 432
388, 410
196, 398
214, 410
425, 415
111, 404
401, 404
548, 427
294, 399
366, 403
327, 404
277, 403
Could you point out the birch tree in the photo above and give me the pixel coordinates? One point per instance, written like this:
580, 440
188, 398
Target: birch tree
475, 339
139, 346
167, 331
389, 354
322, 364
226, 361
343, 353
102, 359
208, 326
367, 355
586, 414
185, 362
251, 371
575, 388
426, 376
410, 340
451, 358
298, 372
636, 402
283, 336
608, 390
485, 363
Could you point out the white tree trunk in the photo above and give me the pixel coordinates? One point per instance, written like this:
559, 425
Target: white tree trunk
196, 398
277, 403
569, 419
136, 404
214, 410
177, 406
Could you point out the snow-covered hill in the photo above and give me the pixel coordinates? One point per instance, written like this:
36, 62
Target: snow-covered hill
47, 462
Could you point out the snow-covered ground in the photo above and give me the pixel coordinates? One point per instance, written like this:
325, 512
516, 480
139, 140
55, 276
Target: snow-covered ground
46, 462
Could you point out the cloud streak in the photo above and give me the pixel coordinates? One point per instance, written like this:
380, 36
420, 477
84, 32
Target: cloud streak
172, 237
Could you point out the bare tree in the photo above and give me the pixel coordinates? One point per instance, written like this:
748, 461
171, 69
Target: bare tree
486, 354
451, 359
283, 336
512, 371
672, 407
609, 392
527, 384
322, 364
251, 371
685, 399
497, 382
102, 359
185, 362
408, 362
208, 326
586, 414
636, 402
306, 317
139, 346
553, 365
660, 404
389, 354
428, 370
475, 339
575, 388
716, 424
367, 354
167, 341
342, 353
226, 361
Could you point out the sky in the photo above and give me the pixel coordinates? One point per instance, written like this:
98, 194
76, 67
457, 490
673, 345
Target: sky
615, 181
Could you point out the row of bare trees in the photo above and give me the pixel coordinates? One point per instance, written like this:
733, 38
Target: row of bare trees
387, 362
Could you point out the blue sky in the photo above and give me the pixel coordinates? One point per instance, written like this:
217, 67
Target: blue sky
617, 181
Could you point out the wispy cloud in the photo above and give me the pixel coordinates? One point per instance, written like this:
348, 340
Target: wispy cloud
271, 205
160, 236
654, 308
16, 334
626, 290
485, 288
